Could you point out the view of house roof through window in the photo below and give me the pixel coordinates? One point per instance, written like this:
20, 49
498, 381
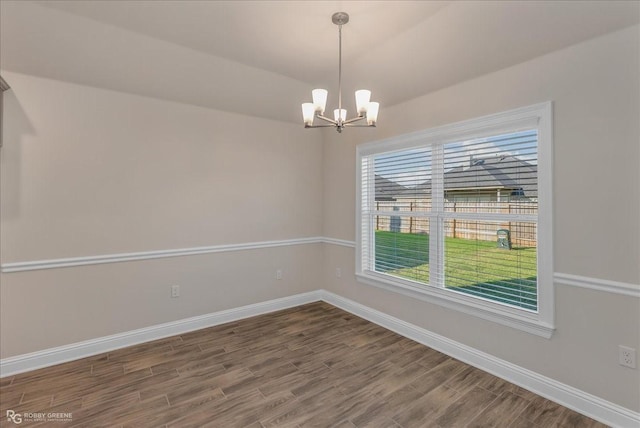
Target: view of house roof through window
504, 166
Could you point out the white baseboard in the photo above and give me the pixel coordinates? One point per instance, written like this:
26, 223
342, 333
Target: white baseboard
580, 401
87, 348
568, 396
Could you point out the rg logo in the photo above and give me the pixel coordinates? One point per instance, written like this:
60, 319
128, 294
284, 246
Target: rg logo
14, 417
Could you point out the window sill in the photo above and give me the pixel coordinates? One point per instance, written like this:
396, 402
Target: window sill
511, 317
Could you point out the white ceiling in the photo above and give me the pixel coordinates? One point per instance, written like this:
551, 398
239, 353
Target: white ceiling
263, 58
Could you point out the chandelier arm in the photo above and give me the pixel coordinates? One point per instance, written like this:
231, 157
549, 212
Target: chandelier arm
326, 119
351, 125
320, 126
355, 119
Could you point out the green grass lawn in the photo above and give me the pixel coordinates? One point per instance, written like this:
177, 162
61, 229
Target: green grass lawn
472, 267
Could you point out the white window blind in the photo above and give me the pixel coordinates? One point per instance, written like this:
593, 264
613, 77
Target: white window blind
456, 216
398, 213
490, 216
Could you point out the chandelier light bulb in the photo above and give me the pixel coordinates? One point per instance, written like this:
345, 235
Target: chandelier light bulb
319, 99
363, 97
372, 113
340, 115
308, 111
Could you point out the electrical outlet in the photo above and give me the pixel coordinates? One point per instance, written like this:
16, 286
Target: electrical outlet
338, 272
175, 291
279, 274
627, 356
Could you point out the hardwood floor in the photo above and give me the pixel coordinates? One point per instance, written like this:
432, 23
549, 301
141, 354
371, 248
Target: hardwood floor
310, 366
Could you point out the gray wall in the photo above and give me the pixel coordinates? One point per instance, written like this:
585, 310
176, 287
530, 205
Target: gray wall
90, 172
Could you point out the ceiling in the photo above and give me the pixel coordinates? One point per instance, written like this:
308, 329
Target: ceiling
262, 58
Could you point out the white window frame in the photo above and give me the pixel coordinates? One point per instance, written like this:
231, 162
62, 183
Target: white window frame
538, 116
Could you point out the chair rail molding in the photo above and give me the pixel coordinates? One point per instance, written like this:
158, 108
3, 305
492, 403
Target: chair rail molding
604, 285
147, 255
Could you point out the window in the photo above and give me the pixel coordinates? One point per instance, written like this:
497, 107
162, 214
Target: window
460, 216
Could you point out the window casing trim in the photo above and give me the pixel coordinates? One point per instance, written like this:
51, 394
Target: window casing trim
470, 306
538, 116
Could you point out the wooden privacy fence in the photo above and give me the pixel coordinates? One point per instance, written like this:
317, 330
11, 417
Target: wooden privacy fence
523, 234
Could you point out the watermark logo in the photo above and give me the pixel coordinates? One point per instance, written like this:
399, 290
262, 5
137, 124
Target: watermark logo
18, 418
14, 417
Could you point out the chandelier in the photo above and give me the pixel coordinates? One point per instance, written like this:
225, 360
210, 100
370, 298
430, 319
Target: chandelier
364, 107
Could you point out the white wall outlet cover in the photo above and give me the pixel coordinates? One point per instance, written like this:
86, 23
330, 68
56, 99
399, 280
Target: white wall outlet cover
627, 356
175, 291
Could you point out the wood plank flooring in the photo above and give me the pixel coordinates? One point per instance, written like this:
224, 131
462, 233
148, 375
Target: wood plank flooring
310, 366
